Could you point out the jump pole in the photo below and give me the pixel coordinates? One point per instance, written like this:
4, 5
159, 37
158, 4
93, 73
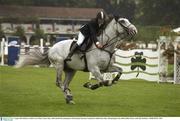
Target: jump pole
2, 51
41, 45
176, 62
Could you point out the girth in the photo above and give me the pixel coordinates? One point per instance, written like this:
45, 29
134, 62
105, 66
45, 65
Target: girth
85, 61
78, 50
110, 54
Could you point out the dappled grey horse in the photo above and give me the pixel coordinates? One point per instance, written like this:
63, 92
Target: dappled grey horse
95, 60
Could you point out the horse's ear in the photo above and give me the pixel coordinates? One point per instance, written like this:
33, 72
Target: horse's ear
116, 17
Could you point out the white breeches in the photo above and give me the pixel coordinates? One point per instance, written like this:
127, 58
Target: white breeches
80, 38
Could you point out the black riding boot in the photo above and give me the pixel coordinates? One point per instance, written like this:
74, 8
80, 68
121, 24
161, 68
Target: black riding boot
74, 46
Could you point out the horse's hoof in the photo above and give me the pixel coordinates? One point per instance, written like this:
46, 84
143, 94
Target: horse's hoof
106, 83
71, 102
69, 99
57, 84
114, 82
87, 85
116, 79
95, 86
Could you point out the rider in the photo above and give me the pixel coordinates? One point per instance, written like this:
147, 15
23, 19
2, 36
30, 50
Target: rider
89, 31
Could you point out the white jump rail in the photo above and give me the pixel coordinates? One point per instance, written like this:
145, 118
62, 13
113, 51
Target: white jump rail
153, 65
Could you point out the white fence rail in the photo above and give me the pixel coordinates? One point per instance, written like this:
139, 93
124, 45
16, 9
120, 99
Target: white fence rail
136, 64
147, 64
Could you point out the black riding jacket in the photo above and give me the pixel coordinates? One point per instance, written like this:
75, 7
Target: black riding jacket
90, 30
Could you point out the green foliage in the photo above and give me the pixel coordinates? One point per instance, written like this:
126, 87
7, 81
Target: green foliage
64, 3
39, 33
19, 32
152, 33
34, 41
123, 8
1, 32
158, 12
147, 33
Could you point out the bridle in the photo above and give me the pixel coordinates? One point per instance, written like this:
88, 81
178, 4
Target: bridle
118, 34
111, 41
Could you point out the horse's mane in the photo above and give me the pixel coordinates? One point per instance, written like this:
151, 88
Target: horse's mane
107, 21
110, 18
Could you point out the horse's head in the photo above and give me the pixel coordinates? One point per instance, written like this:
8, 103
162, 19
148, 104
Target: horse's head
117, 29
124, 26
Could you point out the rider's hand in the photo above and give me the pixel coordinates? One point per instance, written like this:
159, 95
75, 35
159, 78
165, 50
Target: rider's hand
98, 45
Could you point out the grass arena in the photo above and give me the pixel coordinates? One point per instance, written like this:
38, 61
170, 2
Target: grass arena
32, 91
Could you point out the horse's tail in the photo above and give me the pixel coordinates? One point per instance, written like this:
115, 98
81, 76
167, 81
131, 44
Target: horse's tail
36, 57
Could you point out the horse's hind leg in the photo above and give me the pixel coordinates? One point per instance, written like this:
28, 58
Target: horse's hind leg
69, 74
59, 71
64, 86
58, 63
59, 66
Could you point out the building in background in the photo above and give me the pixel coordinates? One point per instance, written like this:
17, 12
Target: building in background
53, 21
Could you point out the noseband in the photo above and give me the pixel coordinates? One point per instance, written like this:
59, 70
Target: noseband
110, 42
126, 28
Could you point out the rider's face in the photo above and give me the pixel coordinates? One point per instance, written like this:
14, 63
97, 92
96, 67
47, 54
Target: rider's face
100, 21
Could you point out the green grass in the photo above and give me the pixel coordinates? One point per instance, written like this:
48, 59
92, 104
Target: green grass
32, 92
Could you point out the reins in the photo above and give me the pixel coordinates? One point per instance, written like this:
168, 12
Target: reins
117, 35
110, 42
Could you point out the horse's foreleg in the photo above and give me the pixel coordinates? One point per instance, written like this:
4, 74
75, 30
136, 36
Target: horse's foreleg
113, 69
96, 72
109, 83
69, 74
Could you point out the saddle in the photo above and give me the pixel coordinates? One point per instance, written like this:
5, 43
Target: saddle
84, 46
81, 50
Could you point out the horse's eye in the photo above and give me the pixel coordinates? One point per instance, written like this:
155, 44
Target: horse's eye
122, 21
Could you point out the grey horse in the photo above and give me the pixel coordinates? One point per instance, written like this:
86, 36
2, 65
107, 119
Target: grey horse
95, 60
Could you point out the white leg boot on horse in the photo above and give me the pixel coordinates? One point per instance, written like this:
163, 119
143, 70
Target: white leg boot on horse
110, 69
113, 69
96, 72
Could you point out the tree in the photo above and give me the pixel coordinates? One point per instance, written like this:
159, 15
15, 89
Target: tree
38, 34
158, 12
123, 8
1, 32
19, 32
63, 3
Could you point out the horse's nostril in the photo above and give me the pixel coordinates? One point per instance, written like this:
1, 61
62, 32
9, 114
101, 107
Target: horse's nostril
132, 31
135, 32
